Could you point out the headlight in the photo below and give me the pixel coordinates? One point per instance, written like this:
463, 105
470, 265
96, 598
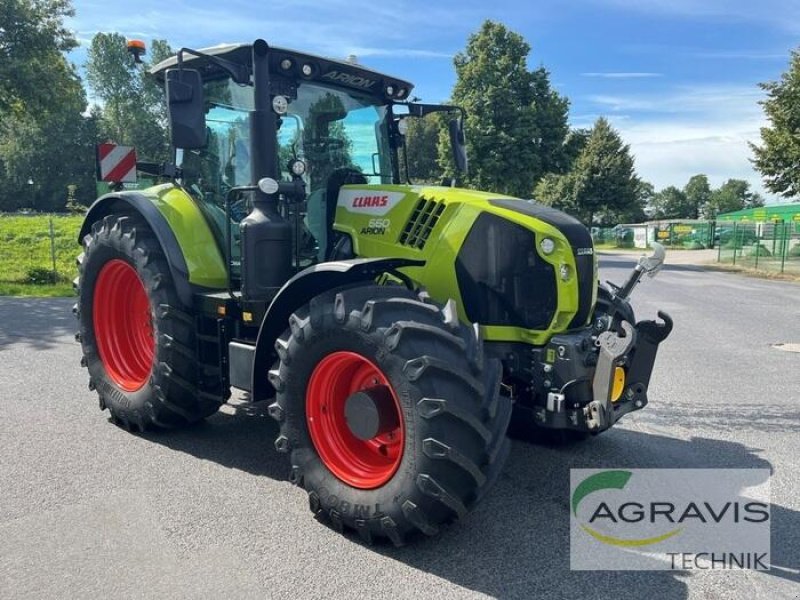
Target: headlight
547, 245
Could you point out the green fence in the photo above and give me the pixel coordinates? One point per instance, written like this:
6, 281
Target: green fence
761, 246
687, 235
612, 237
37, 253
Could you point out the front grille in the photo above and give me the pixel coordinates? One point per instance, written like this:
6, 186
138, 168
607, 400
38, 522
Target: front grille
420, 224
579, 239
501, 277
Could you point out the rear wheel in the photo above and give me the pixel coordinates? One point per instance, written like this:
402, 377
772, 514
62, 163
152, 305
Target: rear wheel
390, 413
138, 341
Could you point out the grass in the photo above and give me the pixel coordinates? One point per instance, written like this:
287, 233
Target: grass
25, 254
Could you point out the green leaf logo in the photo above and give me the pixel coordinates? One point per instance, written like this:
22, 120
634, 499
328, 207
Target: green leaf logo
606, 480
611, 480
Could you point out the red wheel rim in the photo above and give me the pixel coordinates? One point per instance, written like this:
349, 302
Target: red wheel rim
364, 464
123, 325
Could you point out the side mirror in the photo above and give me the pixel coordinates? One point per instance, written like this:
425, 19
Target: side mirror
458, 142
186, 108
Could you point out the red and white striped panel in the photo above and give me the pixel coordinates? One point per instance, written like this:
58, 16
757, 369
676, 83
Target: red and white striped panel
116, 163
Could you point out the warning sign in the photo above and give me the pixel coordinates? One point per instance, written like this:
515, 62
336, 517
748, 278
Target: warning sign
116, 164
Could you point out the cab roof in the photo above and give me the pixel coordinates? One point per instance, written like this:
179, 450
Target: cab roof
297, 66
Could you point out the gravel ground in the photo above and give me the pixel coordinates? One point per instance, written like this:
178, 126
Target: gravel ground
87, 509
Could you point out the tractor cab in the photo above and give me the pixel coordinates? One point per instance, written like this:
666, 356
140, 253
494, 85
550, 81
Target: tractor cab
318, 123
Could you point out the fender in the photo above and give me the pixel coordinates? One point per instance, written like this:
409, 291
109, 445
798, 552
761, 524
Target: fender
181, 228
299, 290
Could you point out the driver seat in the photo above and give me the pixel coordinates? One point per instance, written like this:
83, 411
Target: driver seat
338, 178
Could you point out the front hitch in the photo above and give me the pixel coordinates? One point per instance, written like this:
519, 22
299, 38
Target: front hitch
637, 349
612, 351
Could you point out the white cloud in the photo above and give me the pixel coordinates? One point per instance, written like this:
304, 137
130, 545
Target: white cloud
622, 75
709, 100
685, 131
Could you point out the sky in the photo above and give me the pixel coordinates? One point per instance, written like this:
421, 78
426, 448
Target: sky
677, 78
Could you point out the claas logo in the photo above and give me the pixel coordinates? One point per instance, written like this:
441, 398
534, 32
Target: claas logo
370, 201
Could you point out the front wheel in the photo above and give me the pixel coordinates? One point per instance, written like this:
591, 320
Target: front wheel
390, 412
138, 340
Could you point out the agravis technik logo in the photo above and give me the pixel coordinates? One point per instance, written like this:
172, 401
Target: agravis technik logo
669, 519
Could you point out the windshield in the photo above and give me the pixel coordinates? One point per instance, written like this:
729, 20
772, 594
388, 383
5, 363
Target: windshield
327, 128
341, 136
331, 129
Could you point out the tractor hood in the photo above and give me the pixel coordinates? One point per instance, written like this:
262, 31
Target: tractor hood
518, 267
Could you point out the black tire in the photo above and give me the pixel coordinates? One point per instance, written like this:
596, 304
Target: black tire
454, 415
173, 394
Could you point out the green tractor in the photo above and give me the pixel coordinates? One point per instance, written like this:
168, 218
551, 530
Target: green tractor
395, 330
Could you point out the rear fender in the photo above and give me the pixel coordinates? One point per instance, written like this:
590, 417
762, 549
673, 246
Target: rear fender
299, 290
134, 202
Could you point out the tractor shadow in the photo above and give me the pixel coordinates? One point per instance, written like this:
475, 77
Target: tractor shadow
240, 437
516, 543
38, 323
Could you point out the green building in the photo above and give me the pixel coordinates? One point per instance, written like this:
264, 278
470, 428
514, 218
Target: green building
765, 214
764, 238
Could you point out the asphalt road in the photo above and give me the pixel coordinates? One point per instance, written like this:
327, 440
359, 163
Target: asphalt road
89, 510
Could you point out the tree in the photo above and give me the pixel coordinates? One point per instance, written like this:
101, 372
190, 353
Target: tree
602, 181
132, 104
633, 212
43, 153
645, 194
32, 40
698, 193
517, 124
557, 191
732, 195
551, 112
671, 203
574, 145
46, 143
778, 156
422, 141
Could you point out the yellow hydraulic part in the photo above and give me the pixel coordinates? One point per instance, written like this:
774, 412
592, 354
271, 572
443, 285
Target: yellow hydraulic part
619, 383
